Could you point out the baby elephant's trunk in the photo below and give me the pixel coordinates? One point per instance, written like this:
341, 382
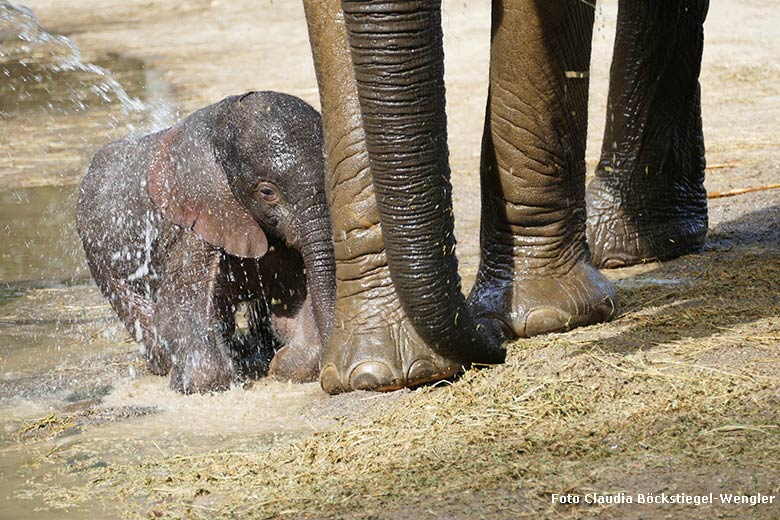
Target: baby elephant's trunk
316, 247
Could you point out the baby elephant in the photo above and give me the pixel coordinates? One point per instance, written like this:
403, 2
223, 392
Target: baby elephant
225, 208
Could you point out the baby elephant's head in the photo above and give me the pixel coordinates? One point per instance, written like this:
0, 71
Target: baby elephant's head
270, 147
248, 174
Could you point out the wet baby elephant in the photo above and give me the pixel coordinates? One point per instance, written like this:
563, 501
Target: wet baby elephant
223, 210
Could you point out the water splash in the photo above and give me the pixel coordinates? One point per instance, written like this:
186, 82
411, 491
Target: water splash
33, 55
56, 109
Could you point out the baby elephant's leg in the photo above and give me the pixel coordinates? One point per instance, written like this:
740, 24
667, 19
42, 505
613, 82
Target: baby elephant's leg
136, 312
284, 321
252, 349
187, 319
299, 359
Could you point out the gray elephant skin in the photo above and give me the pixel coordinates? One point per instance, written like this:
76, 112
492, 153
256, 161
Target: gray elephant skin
400, 317
226, 208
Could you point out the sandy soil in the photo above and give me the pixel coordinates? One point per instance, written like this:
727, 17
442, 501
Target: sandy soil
680, 394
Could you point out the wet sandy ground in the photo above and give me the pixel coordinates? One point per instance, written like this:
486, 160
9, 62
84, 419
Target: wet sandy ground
63, 355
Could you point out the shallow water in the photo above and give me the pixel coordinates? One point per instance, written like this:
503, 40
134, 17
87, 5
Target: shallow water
38, 235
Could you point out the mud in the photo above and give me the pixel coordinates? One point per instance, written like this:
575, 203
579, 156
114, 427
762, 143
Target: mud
74, 393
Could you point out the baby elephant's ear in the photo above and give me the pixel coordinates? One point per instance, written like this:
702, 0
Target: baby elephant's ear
191, 189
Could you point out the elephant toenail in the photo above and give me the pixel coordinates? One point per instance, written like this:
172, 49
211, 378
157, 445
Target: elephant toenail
421, 371
606, 310
613, 263
330, 381
542, 321
373, 376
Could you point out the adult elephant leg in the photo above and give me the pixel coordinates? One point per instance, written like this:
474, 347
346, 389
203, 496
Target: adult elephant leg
534, 274
372, 345
648, 201
397, 56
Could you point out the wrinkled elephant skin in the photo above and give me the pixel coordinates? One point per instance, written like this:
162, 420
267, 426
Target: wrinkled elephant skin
400, 317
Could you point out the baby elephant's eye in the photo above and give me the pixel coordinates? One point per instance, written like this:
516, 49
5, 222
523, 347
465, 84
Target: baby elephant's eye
268, 192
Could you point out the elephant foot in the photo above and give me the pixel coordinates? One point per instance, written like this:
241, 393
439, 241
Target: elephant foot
157, 364
291, 363
661, 226
523, 305
158, 359
378, 351
201, 372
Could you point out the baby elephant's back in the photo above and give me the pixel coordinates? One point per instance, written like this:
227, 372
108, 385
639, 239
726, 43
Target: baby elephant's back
117, 221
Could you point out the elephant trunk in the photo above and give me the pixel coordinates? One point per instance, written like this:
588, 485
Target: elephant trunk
398, 59
316, 248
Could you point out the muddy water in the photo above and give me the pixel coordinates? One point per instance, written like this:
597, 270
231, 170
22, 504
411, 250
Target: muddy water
38, 237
